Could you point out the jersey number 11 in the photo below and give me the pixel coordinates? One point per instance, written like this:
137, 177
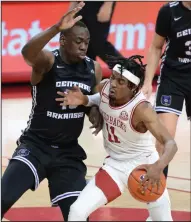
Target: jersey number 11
111, 134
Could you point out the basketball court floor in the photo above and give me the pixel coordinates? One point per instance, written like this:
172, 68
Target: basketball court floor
35, 206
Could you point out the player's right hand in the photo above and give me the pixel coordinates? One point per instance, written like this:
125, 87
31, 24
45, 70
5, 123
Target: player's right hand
152, 176
147, 90
68, 20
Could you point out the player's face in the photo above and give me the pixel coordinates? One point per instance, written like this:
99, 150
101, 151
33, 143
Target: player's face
76, 43
119, 90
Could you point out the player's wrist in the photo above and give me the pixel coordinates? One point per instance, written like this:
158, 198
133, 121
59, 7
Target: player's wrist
148, 79
85, 100
56, 27
161, 164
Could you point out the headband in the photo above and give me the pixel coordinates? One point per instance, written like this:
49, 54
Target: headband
127, 74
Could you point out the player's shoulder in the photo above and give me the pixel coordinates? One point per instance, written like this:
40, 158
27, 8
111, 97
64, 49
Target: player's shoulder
101, 87
165, 9
140, 101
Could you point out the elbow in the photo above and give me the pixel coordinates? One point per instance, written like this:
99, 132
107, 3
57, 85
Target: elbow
27, 55
173, 144
155, 49
175, 148
24, 51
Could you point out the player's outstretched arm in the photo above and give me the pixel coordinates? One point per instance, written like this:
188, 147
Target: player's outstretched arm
33, 53
155, 49
148, 116
145, 114
75, 97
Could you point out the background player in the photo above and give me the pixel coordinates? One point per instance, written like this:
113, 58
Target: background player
173, 25
49, 147
128, 121
97, 15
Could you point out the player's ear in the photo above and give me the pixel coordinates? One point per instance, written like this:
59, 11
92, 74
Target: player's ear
62, 40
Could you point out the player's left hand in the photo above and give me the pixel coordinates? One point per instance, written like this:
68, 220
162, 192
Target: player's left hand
152, 176
68, 20
96, 119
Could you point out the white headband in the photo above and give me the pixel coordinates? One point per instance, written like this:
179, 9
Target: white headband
128, 75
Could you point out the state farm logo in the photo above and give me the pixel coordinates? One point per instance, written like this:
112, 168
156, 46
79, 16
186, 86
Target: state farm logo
134, 35
13, 40
126, 37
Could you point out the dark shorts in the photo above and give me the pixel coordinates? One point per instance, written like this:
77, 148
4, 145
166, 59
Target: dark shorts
64, 172
172, 90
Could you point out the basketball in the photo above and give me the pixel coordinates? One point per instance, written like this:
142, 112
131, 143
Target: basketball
135, 190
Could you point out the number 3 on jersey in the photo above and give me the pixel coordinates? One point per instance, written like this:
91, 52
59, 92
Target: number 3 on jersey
111, 134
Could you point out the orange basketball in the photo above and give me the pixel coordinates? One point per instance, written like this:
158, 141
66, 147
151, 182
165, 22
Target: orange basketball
134, 187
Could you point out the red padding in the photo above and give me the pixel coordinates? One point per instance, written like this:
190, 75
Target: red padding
109, 187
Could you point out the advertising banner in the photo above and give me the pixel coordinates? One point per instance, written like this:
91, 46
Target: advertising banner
131, 31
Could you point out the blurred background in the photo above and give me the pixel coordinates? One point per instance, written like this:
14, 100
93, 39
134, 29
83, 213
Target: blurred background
131, 30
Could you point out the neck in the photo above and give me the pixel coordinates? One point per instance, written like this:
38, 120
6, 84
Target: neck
187, 5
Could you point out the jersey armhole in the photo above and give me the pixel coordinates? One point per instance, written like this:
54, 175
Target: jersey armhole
104, 82
132, 113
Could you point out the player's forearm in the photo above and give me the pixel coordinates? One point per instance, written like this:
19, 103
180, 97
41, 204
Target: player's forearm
108, 4
152, 63
91, 100
170, 149
37, 43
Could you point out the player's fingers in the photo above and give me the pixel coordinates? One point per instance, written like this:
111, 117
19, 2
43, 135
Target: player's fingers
64, 102
59, 99
61, 93
158, 186
95, 132
153, 185
76, 9
78, 18
145, 180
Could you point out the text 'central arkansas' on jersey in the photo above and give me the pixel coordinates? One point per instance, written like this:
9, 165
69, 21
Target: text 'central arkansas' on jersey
121, 140
49, 121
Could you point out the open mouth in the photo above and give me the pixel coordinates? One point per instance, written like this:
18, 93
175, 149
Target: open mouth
112, 92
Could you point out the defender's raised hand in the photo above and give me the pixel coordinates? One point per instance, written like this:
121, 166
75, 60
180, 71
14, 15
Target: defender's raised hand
68, 20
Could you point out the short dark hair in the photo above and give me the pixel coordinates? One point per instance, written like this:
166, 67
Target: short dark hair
134, 64
79, 23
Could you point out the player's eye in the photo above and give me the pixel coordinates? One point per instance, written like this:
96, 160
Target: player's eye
78, 41
121, 81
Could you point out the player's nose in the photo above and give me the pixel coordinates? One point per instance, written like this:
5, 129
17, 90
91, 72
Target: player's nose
113, 83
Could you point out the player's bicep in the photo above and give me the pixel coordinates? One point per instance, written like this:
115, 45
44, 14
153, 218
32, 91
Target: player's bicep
43, 64
98, 76
152, 122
